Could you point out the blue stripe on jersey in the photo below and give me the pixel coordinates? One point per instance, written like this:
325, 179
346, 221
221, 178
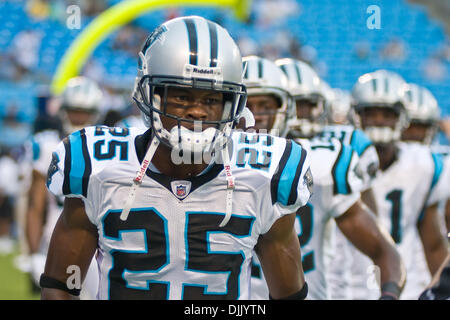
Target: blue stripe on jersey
359, 141
36, 149
438, 168
340, 170
77, 164
288, 175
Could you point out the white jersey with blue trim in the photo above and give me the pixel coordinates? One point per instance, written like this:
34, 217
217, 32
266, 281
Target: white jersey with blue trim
337, 185
368, 157
41, 146
441, 191
340, 275
131, 121
171, 245
402, 193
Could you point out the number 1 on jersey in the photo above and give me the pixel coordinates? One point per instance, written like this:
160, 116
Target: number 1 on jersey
395, 197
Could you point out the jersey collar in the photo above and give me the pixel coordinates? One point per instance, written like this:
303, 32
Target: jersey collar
141, 143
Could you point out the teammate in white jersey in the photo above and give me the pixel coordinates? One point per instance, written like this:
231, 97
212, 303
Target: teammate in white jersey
79, 107
185, 227
348, 271
424, 114
409, 173
335, 168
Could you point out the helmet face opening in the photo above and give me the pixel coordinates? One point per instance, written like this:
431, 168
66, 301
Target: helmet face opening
383, 124
310, 117
268, 86
168, 105
155, 92
420, 131
79, 104
379, 104
266, 107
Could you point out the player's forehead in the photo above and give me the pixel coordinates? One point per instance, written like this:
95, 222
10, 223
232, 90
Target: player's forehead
380, 111
305, 102
193, 92
259, 98
419, 125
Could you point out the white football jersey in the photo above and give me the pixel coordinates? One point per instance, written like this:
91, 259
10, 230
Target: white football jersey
9, 171
340, 275
171, 245
337, 185
402, 193
41, 146
131, 121
441, 191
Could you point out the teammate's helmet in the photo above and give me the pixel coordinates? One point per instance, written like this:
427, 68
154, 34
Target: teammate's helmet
80, 94
328, 95
263, 77
382, 89
304, 84
189, 52
340, 108
422, 108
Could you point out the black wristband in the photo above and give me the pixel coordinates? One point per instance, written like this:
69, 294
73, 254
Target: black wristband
47, 282
390, 291
300, 295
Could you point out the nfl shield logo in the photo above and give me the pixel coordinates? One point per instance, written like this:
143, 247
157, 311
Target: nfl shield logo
181, 188
181, 191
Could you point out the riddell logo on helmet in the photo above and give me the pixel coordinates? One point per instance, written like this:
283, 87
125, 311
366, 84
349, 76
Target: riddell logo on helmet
203, 71
209, 73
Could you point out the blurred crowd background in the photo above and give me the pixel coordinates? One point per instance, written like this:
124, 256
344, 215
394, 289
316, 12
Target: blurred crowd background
332, 35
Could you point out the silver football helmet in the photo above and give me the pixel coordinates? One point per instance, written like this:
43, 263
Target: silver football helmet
79, 94
304, 84
263, 77
189, 52
340, 107
422, 108
382, 89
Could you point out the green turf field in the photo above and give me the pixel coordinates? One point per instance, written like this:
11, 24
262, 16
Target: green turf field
14, 284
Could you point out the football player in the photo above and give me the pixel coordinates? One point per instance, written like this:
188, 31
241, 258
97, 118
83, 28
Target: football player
268, 98
409, 173
337, 182
424, 113
203, 198
79, 105
340, 125
9, 188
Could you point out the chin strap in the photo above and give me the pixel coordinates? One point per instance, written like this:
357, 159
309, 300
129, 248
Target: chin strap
230, 184
137, 181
